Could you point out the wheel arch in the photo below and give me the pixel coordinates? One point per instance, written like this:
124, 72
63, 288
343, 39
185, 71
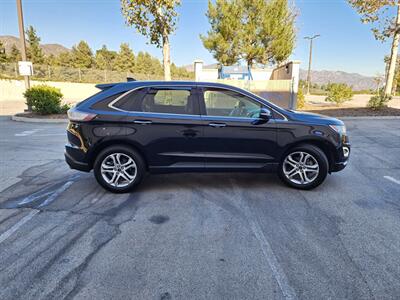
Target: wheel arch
118, 142
325, 147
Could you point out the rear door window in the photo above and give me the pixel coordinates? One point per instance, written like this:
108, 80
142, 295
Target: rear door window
179, 100
169, 101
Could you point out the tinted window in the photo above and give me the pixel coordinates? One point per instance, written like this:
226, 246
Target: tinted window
159, 100
103, 104
226, 103
131, 102
171, 101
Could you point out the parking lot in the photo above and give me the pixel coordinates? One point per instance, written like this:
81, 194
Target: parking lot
198, 236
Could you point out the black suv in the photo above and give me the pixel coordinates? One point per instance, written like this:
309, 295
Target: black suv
133, 127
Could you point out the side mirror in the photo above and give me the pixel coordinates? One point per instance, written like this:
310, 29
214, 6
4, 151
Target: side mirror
265, 114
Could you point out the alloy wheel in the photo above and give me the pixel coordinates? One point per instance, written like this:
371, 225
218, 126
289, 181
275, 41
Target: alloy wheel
300, 167
118, 169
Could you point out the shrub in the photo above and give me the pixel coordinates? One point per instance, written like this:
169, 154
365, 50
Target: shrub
379, 101
44, 99
339, 93
301, 101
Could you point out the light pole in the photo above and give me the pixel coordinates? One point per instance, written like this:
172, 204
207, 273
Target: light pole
311, 38
22, 38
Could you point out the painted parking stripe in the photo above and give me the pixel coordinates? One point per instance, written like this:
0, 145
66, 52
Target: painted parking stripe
266, 248
392, 179
17, 225
27, 132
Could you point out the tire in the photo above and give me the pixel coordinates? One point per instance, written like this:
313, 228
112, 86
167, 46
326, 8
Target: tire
123, 162
299, 171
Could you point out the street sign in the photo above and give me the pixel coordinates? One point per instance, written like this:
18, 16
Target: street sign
25, 68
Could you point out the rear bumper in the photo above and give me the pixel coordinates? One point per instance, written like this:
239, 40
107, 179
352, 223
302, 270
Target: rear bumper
76, 158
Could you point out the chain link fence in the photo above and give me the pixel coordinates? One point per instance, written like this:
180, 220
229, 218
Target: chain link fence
58, 73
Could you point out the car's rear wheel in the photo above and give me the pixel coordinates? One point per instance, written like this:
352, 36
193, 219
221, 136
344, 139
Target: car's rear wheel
119, 169
304, 167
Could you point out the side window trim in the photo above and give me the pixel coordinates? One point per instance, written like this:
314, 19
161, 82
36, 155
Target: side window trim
193, 89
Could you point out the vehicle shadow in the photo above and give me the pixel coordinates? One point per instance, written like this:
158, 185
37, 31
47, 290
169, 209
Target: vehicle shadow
179, 181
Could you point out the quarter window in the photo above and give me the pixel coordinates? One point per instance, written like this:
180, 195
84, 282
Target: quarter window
230, 104
131, 101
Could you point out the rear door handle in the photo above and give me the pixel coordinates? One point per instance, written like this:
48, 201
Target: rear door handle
217, 125
143, 122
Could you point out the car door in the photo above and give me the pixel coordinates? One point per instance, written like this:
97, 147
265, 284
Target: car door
167, 126
234, 135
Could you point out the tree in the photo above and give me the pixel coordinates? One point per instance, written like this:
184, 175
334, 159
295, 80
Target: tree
82, 55
34, 52
3, 55
256, 31
154, 19
339, 93
396, 78
64, 59
377, 12
125, 59
15, 54
105, 58
146, 64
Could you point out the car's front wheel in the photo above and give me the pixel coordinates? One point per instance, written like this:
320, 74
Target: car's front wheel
304, 167
119, 169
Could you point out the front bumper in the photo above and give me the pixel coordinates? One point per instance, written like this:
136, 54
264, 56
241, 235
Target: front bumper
76, 158
342, 158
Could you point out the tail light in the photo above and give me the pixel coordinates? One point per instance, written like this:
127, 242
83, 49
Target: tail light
76, 115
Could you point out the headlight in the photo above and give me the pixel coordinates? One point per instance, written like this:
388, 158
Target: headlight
341, 129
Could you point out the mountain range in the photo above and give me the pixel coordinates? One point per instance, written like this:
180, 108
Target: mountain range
357, 81
48, 49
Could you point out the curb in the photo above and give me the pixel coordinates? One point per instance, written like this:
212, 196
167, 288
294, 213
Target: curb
37, 120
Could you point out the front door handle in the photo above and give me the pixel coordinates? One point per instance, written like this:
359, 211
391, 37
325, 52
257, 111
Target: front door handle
217, 125
143, 122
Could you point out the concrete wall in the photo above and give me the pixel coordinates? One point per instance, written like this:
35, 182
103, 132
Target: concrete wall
12, 100
12, 90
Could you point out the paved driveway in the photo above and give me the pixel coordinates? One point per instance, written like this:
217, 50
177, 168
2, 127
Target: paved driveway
196, 236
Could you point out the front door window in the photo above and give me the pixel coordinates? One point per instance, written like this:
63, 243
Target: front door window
226, 103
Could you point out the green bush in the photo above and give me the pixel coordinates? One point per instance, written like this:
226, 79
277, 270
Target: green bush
45, 100
339, 93
301, 101
379, 101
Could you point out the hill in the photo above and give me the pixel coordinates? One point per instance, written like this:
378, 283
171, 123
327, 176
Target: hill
357, 81
48, 49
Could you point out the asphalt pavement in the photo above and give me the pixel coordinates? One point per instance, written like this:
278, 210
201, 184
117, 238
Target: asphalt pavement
198, 236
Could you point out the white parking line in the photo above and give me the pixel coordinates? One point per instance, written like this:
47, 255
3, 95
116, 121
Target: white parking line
17, 225
27, 132
392, 179
277, 270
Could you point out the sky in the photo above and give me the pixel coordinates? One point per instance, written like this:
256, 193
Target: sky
345, 43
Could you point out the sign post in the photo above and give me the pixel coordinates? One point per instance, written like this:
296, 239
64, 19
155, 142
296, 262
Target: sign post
23, 45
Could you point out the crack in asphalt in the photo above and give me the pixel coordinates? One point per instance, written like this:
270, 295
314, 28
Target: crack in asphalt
75, 273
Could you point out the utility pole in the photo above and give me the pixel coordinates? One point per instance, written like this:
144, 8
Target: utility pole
22, 39
311, 38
